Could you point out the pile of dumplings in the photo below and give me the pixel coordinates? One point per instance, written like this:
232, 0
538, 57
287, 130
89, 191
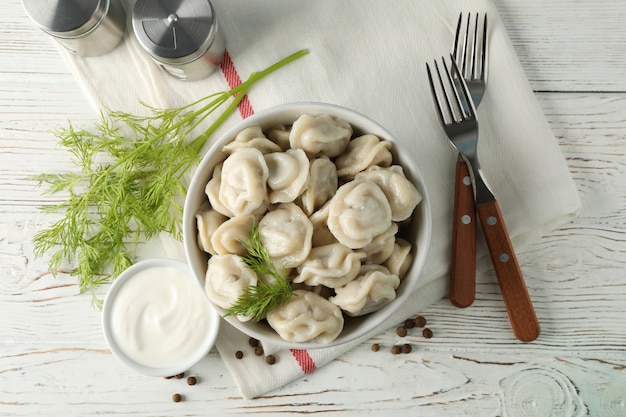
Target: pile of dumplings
330, 209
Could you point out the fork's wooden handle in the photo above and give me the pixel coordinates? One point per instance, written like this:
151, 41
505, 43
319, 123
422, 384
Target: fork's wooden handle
514, 292
463, 265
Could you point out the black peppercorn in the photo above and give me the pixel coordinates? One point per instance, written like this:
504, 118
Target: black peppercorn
406, 348
258, 350
420, 321
375, 347
270, 359
427, 333
401, 331
253, 342
409, 324
192, 380
239, 354
395, 349
177, 398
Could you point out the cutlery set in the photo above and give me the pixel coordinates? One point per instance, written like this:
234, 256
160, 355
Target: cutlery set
458, 88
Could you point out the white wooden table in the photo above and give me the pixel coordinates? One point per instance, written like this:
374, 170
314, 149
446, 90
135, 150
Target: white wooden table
53, 359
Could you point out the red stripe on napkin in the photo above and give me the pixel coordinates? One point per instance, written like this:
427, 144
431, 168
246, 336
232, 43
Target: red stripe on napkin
233, 80
304, 360
245, 108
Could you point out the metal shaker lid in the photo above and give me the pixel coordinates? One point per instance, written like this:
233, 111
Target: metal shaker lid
66, 18
174, 31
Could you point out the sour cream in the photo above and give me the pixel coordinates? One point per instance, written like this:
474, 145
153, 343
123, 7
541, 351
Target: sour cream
158, 319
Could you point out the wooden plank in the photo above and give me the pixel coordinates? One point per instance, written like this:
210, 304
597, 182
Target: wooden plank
567, 45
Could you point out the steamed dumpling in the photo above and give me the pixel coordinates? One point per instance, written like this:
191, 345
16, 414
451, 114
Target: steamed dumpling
288, 175
307, 317
228, 236
381, 247
207, 221
212, 191
363, 152
286, 232
280, 136
400, 260
331, 265
324, 135
251, 137
374, 288
322, 186
358, 213
321, 233
243, 188
227, 277
402, 195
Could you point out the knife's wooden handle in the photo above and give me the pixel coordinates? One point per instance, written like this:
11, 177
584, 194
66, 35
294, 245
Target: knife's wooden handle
463, 265
514, 292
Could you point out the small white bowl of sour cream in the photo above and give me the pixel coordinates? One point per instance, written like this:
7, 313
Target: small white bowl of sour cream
157, 319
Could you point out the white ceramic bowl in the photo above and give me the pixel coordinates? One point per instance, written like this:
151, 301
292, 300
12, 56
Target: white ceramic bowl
286, 114
114, 317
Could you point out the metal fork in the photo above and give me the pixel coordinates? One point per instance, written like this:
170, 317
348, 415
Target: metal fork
458, 117
470, 52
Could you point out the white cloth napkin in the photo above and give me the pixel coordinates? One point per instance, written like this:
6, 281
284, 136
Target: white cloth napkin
368, 55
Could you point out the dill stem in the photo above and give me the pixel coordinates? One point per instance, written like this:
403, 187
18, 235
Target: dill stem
240, 91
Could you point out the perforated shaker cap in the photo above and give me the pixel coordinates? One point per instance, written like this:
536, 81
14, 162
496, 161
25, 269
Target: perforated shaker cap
174, 31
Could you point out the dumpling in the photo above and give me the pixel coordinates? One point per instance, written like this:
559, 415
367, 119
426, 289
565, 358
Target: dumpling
363, 152
251, 137
207, 221
321, 233
212, 191
288, 175
331, 265
243, 188
324, 134
320, 290
227, 277
227, 237
402, 195
307, 317
400, 260
374, 288
358, 212
322, 186
381, 247
280, 136
286, 232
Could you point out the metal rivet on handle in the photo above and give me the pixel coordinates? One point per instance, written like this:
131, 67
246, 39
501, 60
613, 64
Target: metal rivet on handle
467, 180
504, 257
466, 219
491, 220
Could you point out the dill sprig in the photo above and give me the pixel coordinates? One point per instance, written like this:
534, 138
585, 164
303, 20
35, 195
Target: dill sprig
130, 182
268, 294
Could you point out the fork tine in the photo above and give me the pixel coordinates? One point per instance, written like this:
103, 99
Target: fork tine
435, 95
461, 43
453, 81
455, 52
474, 69
469, 104
483, 53
449, 92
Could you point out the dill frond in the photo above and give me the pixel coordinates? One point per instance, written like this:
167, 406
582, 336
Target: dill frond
267, 295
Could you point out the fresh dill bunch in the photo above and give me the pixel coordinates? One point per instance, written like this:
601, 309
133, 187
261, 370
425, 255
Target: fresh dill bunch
130, 184
268, 294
